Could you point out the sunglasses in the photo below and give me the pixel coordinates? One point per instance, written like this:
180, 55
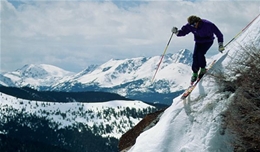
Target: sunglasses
193, 24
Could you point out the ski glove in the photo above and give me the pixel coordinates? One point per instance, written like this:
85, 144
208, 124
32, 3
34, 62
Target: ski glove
221, 47
175, 30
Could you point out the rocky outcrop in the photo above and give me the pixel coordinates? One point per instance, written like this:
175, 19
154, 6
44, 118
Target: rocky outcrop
128, 139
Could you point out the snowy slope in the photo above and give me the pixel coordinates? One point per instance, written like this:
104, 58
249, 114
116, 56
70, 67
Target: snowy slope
5, 81
37, 75
195, 124
100, 114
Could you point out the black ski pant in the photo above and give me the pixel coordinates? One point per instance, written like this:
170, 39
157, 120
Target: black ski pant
199, 60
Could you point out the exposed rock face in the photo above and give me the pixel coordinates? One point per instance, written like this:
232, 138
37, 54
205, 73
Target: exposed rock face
128, 139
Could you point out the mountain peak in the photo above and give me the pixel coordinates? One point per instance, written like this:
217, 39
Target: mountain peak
37, 75
88, 70
32, 70
41, 70
183, 56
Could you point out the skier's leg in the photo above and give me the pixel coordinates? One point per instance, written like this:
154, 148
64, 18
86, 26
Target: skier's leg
203, 48
195, 63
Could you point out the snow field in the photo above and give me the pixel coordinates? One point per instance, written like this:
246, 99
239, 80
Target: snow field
68, 114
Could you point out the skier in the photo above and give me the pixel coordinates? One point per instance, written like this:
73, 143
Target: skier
203, 31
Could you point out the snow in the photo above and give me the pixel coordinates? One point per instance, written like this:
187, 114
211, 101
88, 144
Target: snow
116, 72
190, 125
127, 77
76, 112
194, 124
36, 75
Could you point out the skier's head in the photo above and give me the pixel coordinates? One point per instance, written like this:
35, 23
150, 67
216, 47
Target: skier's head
192, 20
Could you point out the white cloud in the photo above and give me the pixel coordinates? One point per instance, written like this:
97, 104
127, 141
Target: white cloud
74, 34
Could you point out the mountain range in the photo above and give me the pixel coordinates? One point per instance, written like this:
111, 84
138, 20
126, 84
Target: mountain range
36, 95
221, 114
128, 77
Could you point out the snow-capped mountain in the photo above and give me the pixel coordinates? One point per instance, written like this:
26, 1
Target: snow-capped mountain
127, 77
197, 124
35, 76
183, 56
132, 77
117, 72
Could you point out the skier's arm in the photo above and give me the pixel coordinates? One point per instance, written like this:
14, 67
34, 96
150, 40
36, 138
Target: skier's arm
218, 33
184, 30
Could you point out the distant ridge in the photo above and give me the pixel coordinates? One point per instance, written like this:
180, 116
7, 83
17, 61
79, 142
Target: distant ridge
55, 96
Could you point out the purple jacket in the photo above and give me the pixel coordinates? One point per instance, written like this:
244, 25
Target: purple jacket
204, 33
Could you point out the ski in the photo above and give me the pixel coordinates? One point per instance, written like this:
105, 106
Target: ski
191, 88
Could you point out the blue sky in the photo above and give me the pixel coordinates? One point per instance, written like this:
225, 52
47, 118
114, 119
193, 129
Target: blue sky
75, 34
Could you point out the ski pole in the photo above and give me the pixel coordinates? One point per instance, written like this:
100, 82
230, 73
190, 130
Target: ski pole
162, 57
242, 30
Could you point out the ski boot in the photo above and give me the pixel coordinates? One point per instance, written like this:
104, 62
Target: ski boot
202, 72
194, 78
